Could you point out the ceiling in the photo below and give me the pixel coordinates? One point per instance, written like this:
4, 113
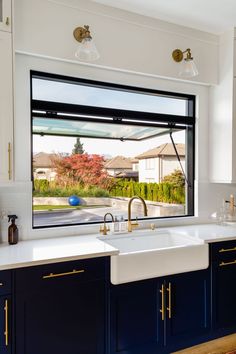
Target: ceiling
213, 16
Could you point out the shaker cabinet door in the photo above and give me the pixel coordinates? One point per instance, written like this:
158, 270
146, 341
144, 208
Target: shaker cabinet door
135, 327
188, 307
59, 313
6, 109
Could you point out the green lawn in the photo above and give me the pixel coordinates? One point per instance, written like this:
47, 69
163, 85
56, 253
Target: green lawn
56, 207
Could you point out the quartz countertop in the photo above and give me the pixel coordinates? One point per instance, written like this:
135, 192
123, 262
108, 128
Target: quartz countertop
44, 251
206, 232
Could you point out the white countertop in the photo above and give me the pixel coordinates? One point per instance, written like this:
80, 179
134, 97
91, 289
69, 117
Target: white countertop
43, 251
62, 249
208, 232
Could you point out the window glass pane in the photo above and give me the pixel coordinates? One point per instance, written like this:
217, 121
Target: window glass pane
85, 165
55, 91
89, 129
103, 175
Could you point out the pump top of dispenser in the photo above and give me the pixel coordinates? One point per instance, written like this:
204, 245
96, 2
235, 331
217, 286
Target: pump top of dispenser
12, 217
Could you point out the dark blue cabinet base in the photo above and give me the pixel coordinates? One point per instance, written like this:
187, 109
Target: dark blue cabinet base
60, 309
73, 308
134, 323
159, 315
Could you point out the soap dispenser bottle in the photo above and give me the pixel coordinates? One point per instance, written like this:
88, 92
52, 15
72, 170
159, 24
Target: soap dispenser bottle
12, 230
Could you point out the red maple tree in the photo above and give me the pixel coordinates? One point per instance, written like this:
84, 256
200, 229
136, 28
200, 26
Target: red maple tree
85, 169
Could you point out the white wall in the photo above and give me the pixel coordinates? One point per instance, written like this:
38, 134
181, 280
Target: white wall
145, 174
169, 164
125, 41
141, 49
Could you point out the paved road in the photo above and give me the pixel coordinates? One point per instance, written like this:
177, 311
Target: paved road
75, 216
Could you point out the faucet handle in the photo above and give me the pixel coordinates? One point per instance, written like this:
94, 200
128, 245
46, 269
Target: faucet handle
103, 229
135, 224
152, 226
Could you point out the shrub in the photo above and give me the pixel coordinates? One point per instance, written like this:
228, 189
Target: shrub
44, 188
158, 192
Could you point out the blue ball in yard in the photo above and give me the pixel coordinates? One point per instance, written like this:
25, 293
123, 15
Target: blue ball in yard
73, 200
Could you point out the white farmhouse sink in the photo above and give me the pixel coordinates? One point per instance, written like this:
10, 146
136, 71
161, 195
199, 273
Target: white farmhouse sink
150, 254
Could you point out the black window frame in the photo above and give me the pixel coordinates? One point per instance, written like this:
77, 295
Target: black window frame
189, 120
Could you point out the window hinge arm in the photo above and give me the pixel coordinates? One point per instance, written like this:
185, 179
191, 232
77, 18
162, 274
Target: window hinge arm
178, 157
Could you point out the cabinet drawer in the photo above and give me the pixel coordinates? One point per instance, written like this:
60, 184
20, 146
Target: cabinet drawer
224, 251
60, 273
5, 282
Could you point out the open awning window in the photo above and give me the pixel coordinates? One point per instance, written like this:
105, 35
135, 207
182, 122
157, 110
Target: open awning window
87, 129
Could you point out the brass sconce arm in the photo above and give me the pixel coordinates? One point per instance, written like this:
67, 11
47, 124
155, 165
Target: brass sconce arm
178, 55
81, 33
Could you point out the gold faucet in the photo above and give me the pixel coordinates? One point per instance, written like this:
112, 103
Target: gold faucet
104, 228
130, 224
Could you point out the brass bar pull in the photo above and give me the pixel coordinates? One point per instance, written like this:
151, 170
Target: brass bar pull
222, 264
6, 333
7, 22
169, 308
227, 249
52, 275
9, 161
162, 310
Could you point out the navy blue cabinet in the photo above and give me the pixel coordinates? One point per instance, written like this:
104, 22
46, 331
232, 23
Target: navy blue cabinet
154, 316
60, 308
5, 325
187, 308
135, 326
223, 284
6, 334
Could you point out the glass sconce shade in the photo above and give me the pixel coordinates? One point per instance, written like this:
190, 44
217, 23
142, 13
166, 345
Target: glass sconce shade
188, 69
86, 50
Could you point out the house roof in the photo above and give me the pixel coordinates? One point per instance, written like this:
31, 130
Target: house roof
43, 159
163, 150
119, 162
127, 174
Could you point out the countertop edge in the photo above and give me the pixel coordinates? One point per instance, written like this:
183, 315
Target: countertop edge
26, 264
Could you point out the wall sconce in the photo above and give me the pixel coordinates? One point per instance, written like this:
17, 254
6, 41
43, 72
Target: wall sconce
188, 68
86, 50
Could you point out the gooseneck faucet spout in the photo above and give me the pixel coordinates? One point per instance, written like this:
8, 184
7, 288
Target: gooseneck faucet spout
130, 224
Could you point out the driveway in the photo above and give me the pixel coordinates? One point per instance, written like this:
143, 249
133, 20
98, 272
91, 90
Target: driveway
63, 217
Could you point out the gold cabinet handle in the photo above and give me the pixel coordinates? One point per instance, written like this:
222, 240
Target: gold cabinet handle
162, 310
52, 275
7, 22
169, 308
222, 264
9, 161
6, 333
227, 249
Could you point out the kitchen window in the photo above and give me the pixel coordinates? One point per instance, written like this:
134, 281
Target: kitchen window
100, 143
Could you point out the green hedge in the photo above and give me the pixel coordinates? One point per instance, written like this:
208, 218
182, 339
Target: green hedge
44, 188
157, 192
